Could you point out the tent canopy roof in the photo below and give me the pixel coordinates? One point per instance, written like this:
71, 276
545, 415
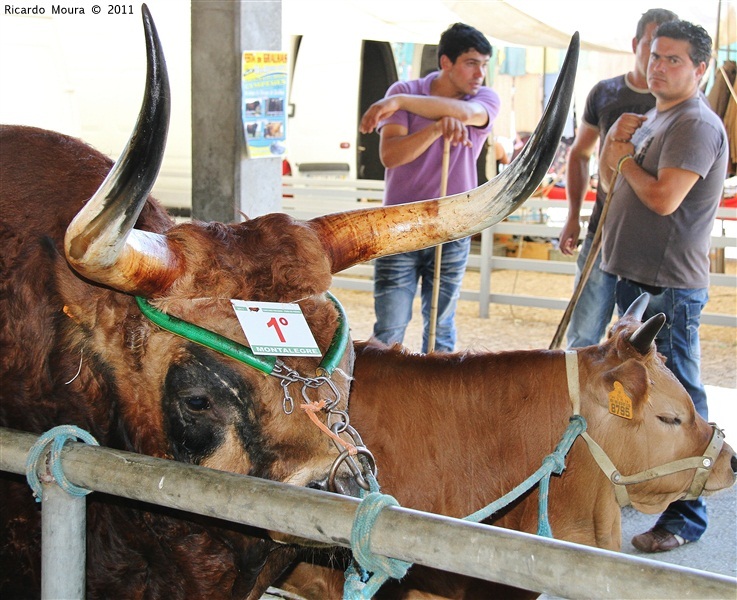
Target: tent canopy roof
607, 27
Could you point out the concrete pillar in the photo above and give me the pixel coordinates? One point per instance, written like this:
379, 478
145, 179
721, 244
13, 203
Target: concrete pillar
225, 181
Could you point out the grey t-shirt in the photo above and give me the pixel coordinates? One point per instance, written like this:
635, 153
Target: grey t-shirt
673, 250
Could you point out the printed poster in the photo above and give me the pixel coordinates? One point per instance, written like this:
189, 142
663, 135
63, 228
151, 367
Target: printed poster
264, 93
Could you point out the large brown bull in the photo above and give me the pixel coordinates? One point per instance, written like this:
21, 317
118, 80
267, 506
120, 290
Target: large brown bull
82, 240
452, 433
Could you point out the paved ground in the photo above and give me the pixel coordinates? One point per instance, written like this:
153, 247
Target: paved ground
715, 552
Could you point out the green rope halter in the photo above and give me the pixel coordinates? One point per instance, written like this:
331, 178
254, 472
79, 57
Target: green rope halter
239, 352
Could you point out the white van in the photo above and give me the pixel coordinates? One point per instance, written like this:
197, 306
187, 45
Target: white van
333, 80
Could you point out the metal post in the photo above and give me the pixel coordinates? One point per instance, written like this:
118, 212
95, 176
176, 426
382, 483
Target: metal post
63, 552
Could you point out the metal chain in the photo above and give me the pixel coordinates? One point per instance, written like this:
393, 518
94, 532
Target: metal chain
338, 422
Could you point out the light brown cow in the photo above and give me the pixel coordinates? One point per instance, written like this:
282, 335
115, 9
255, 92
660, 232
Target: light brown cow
92, 271
451, 433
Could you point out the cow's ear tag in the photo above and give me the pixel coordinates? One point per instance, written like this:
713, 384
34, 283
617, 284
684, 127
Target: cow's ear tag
620, 404
276, 328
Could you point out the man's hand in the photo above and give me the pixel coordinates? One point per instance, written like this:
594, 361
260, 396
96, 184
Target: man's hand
454, 131
568, 238
625, 126
377, 112
617, 144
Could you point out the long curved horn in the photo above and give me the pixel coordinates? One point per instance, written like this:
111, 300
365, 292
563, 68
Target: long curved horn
358, 236
643, 338
101, 243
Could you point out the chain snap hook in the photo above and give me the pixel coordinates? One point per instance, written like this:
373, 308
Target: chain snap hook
287, 402
362, 453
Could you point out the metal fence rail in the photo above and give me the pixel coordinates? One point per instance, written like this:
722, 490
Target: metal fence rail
307, 197
518, 559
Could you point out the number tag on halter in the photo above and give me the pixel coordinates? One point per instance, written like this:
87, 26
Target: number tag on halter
276, 328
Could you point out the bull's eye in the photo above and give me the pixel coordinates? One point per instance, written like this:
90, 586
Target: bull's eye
670, 420
196, 402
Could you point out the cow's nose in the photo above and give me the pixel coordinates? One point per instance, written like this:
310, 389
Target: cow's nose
734, 463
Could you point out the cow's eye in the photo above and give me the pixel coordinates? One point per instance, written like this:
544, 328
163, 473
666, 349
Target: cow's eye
197, 402
670, 420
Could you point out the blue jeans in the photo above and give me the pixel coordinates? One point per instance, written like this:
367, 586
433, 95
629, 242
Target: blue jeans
395, 285
678, 341
595, 305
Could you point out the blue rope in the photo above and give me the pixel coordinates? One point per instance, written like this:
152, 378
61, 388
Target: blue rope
369, 571
553, 463
364, 579
57, 437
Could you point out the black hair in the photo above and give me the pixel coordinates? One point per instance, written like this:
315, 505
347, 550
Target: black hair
460, 38
654, 15
695, 35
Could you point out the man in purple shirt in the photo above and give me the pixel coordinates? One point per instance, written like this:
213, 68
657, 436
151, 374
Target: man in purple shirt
414, 119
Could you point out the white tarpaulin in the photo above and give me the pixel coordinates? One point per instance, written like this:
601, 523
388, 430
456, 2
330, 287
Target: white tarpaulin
418, 21
604, 26
522, 25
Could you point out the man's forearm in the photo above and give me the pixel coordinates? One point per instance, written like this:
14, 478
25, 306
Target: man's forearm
437, 107
663, 193
577, 184
398, 150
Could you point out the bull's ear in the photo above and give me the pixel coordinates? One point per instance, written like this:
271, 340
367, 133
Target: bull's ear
627, 388
643, 338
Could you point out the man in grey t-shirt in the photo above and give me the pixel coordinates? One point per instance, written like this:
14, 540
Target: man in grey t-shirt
671, 166
607, 100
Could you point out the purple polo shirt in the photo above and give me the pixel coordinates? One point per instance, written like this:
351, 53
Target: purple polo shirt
420, 179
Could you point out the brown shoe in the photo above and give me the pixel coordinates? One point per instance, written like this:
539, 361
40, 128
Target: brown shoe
658, 539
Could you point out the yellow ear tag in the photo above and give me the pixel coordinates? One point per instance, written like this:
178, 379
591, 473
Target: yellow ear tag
620, 404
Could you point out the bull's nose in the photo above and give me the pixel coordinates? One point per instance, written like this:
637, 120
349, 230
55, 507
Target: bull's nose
344, 484
347, 486
321, 485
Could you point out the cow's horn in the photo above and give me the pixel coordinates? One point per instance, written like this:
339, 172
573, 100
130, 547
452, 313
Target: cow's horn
358, 236
643, 338
637, 308
101, 243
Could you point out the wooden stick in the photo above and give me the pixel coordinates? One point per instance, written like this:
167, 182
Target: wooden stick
728, 82
438, 255
585, 272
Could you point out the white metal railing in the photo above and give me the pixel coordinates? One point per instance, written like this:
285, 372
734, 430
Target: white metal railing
490, 553
308, 197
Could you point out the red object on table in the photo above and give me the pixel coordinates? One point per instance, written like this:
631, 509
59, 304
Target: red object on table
559, 193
